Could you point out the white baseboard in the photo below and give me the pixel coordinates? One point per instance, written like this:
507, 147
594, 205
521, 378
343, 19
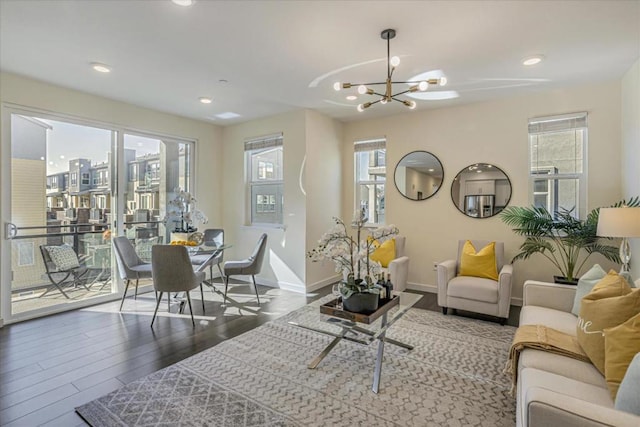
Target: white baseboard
434, 290
322, 283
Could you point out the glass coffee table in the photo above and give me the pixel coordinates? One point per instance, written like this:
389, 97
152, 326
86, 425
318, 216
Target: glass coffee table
344, 325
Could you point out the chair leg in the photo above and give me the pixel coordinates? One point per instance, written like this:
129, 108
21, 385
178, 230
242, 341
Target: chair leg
255, 287
444, 310
193, 322
135, 296
125, 293
503, 321
168, 300
226, 286
156, 310
221, 273
201, 296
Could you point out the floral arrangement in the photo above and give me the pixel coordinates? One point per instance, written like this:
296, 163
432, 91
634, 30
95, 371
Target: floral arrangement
351, 256
183, 206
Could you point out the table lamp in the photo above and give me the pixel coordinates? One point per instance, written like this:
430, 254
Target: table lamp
620, 222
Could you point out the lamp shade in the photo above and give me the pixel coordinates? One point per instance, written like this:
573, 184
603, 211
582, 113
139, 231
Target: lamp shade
619, 222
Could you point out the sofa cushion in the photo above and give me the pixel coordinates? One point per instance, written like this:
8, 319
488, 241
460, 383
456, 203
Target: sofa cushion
559, 320
610, 303
621, 344
585, 284
560, 365
479, 263
473, 288
628, 397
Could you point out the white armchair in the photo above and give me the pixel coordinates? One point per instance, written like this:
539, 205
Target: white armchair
476, 294
399, 267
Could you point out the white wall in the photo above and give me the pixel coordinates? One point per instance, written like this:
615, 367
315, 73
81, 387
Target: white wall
491, 132
22, 92
323, 183
284, 263
631, 148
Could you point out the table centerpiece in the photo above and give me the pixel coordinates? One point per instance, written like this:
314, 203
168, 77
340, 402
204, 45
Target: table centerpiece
359, 286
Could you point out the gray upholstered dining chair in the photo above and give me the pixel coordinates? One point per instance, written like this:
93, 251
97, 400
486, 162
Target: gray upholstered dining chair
212, 237
130, 265
250, 266
173, 272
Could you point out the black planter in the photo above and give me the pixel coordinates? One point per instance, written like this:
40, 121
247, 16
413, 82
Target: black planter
364, 303
564, 281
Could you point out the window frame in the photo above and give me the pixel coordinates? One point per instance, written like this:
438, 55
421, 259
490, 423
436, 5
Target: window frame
550, 125
371, 146
251, 147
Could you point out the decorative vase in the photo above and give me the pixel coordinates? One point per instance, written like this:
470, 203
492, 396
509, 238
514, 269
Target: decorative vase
363, 302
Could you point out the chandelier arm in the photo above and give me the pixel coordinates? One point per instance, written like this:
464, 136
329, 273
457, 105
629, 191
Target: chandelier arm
379, 94
368, 84
401, 93
396, 99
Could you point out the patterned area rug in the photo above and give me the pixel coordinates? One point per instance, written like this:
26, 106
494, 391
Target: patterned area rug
452, 377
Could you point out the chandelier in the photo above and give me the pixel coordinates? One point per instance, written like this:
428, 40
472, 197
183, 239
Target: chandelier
388, 95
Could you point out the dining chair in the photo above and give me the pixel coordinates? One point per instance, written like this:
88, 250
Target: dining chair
130, 266
173, 272
250, 266
212, 237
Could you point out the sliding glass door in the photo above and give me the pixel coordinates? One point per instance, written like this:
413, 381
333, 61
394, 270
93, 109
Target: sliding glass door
72, 187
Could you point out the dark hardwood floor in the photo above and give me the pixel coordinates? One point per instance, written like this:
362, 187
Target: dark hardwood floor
48, 366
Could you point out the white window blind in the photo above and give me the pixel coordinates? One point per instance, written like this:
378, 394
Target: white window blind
369, 145
550, 124
263, 142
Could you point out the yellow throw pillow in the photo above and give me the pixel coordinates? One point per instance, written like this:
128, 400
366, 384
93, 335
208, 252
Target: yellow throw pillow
479, 264
609, 304
621, 344
384, 253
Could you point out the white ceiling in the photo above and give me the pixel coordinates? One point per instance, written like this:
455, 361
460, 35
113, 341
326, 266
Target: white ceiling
165, 57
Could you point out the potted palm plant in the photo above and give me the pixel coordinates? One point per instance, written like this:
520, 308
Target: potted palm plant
565, 241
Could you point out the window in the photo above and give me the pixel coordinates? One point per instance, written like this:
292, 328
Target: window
264, 165
74, 178
557, 147
370, 177
101, 202
133, 172
85, 178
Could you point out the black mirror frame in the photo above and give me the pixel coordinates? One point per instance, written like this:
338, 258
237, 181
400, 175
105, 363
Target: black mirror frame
432, 194
481, 217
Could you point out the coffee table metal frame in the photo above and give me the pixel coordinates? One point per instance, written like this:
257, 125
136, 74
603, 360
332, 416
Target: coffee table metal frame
405, 300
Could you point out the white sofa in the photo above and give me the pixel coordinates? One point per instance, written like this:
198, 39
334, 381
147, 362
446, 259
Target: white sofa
556, 390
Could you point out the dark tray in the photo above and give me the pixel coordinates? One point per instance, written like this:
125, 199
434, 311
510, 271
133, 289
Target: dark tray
330, 309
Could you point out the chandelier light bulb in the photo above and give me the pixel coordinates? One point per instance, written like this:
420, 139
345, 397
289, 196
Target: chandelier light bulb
394, 61
360, 108
443, 81
423, 85
337, 86
362, 89
383, 101
412, 105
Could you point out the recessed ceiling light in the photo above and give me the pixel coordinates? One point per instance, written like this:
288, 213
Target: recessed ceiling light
102, 68
205, 100
352, 97
227, 115
431, 170
183, 2
532, 60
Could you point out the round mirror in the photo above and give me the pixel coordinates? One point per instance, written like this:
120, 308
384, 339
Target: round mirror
418, 175
481, 190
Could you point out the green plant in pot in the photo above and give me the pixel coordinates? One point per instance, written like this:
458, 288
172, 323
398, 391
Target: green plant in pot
358, 287
565, 241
